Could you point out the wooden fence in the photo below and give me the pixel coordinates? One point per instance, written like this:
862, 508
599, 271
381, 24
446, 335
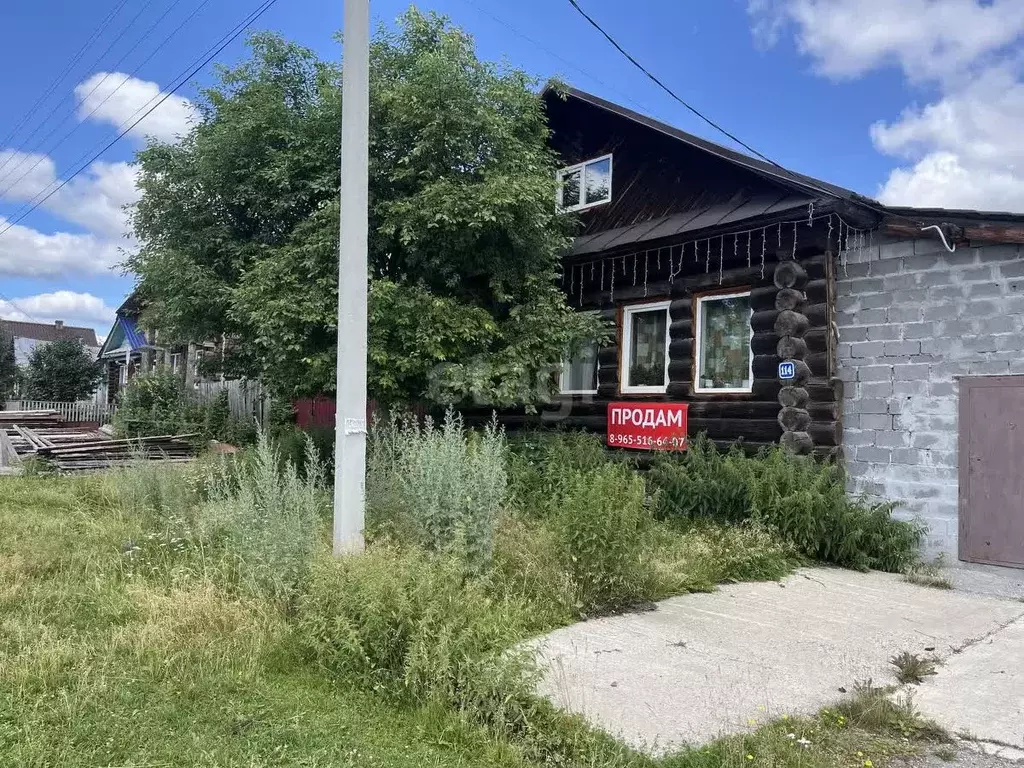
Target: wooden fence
246, 399
83, 411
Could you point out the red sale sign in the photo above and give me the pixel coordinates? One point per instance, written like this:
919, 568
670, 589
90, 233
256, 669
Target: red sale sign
647, 426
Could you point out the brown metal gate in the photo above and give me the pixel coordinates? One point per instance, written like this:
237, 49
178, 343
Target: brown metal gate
992, 470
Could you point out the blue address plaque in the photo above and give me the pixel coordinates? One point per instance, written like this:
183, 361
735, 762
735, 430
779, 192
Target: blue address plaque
787, 371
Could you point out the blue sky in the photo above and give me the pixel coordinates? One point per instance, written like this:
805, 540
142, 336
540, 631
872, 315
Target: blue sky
918, 104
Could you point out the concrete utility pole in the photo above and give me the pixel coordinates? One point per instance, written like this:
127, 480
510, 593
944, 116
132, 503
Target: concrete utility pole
350, 420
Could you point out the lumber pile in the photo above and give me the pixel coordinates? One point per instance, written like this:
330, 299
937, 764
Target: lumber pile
44, 434
101, 454
30, 418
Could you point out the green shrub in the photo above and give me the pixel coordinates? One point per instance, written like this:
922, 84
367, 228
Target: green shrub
265, 519
444, 485
540, 460
806, 501
602, 524
802, 498
412, 626
706, 484
291, 443
158, 404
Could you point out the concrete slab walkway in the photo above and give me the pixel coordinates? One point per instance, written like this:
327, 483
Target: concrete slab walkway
701, 666
980, 691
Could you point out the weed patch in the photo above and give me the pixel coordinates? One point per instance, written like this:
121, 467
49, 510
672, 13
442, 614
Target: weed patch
929, 575
865, 731
603, 527
801, 498
442, 486
911, 668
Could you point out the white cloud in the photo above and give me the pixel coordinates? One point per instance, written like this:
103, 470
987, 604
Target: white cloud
926, 38
962, 150
82, 309
966, 148
26, 252
119, 98
96, 199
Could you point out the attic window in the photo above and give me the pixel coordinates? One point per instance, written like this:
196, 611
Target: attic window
585, 184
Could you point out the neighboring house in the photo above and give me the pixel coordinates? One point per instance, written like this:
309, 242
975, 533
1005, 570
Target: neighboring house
715, 268
27, 336
129, 349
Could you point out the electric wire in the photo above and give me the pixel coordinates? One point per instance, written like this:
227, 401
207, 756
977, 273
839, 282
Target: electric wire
51, 89
203, 61
96, 61
96, 108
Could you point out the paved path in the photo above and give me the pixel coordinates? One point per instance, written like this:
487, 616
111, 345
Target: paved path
700, 666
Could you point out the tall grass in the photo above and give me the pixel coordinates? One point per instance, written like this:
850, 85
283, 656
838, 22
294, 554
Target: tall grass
540, 461
440, 485
603, 532
411, 625
265, 519
250, 524
802, 498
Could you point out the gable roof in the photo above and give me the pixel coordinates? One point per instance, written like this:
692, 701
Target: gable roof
46, 332
125, 335
802, 183
807, 185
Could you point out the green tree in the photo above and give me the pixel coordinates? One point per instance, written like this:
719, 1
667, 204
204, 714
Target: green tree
8, 364
62, 371
239, 233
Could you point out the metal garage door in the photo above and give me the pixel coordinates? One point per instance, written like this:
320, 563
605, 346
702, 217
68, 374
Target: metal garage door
992, 470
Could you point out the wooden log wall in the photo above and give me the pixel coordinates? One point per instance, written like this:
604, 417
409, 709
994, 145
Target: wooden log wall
790, 303
809, 403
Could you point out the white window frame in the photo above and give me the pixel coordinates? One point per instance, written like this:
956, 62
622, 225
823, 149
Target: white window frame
597, 373
175, 361
624, 355
582, 168
698, 355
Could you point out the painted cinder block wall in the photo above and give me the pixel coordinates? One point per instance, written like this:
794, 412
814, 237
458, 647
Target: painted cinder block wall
912, 318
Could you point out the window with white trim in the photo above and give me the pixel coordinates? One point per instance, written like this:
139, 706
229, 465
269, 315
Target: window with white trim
175, 362
724, 361
643, 362
586, 184
578, 375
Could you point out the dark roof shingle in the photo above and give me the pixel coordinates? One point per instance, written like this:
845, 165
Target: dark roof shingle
50, 332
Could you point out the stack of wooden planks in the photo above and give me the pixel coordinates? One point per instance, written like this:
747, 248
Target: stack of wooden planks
30, 418
72, 449
100, 454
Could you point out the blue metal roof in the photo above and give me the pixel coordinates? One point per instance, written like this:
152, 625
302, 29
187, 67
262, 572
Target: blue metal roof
135, 338
125, 335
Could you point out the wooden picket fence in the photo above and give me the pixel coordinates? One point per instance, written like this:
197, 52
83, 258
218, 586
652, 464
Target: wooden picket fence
88, 411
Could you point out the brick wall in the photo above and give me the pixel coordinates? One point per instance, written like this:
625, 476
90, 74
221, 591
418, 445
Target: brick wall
912, 318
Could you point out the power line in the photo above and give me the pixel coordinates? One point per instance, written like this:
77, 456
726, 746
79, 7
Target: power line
803, 181
64, 73
96, 87
99, 58
554, 54
218, 47
10, 302
668, 90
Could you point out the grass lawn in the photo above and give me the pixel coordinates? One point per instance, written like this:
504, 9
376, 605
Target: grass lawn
104, 665
101, 669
